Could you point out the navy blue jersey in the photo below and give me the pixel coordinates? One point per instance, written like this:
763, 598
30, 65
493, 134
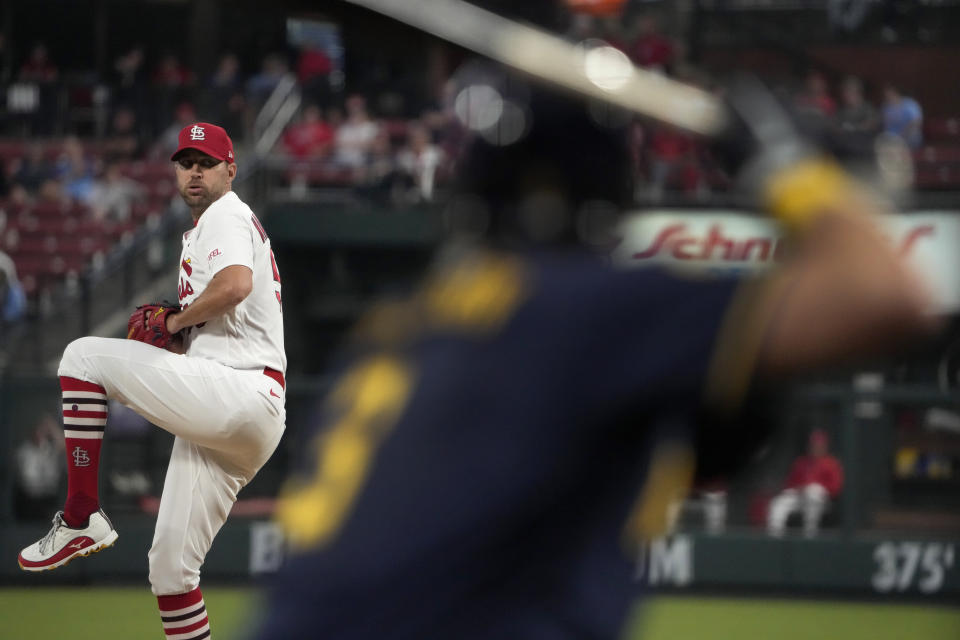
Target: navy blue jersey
477, 464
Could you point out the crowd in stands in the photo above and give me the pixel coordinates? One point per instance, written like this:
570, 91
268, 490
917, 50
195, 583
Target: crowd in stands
401, 160
668, 159
59, 191
388, 162
65, 203
398, 157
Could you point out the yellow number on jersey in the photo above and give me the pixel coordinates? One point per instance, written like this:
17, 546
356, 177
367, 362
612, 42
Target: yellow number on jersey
368, 399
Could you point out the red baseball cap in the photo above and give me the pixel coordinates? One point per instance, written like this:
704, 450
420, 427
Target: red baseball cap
208, 138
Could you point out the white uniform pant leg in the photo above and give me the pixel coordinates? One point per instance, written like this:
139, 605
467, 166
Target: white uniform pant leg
815, 501
782, 505
227, 424
197, 496
715, 510
229, 410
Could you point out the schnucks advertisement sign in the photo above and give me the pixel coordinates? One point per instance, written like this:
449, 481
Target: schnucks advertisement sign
734, 241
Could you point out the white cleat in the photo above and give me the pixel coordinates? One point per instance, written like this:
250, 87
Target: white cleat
64, 543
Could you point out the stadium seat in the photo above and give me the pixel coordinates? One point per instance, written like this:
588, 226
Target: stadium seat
937, 176
934, 153
942, 128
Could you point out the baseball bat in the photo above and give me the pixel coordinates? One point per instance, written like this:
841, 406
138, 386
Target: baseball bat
599, 72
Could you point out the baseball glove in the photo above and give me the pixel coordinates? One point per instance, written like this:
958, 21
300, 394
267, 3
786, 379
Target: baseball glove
148, 323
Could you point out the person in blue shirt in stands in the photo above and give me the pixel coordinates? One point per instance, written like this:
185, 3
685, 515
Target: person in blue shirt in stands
902, 116
13, 300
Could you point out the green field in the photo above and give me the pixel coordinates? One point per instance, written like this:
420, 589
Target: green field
93, 613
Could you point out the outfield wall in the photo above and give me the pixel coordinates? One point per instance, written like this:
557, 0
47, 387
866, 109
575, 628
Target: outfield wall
861, 566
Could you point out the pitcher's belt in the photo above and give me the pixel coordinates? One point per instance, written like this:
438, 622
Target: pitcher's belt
276, 375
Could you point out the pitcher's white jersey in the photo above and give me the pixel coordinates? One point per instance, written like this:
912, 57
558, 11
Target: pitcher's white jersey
251, 335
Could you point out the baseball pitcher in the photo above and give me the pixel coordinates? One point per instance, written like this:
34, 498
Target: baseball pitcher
209, 370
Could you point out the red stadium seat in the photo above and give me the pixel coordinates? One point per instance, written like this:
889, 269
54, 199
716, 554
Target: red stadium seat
157, 170
937, 153
941, 128
29, 284
48, 240
395, 128
937, 176
162, 189
38, 244
13, 148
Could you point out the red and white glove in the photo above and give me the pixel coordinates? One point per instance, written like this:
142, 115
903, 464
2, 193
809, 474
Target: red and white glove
148, 323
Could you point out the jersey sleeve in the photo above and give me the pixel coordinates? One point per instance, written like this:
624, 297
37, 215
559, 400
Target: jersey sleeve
227, 240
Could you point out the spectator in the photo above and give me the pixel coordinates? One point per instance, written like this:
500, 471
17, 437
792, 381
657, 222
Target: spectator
672, 157
856, 115
168, 140
12, 297
75, 170
131, 80
313, 72
815, 97
38, 67
223, 97
309, 137
902, 116
171, 81
123, 139
19, 195
356, 135
378, 180
113, 195
444, 125
51, 192
39, 462
226, 77
32, 170
335, 117
418, 161
815, 479
129, 68
171, 73
856, 125
237, 115
651, 49
259, 87
40, 74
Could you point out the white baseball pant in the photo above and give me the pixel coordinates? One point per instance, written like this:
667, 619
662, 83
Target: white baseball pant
812, 500
227, 423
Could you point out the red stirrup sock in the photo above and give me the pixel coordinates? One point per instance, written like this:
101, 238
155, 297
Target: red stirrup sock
84, 419
184, 616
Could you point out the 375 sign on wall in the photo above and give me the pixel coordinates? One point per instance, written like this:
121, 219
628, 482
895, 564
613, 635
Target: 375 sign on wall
905, 566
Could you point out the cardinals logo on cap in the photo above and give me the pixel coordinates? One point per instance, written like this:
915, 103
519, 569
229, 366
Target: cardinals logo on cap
207, 138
